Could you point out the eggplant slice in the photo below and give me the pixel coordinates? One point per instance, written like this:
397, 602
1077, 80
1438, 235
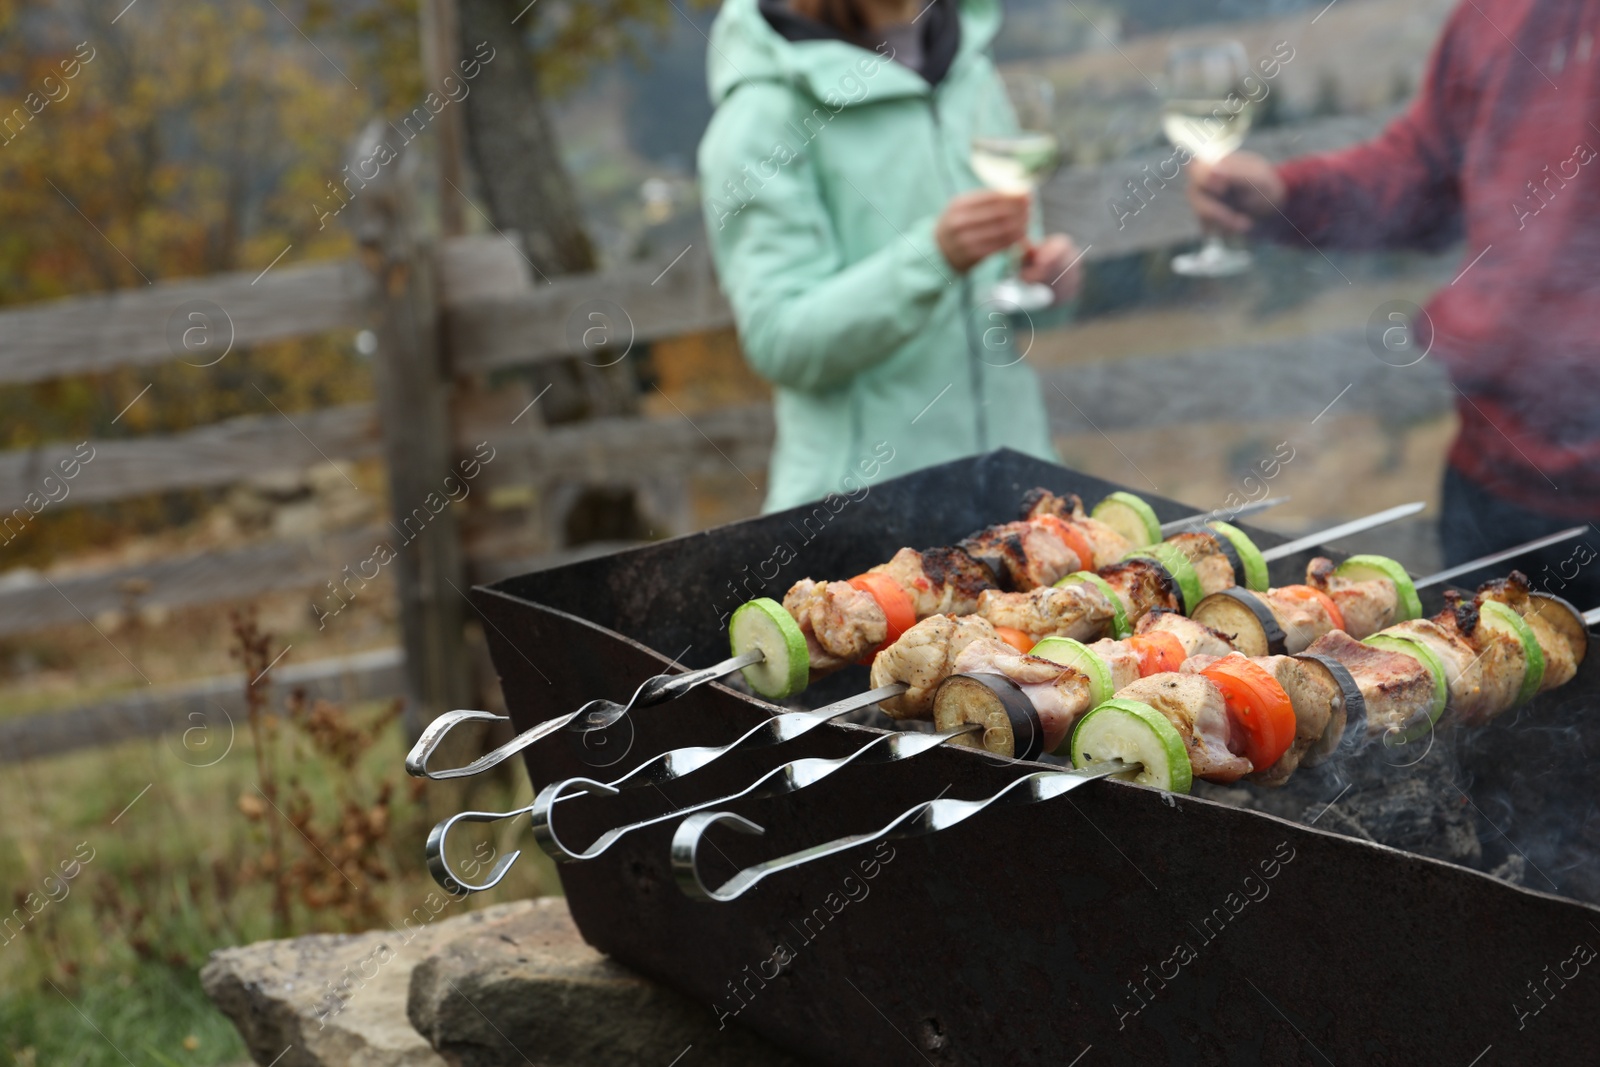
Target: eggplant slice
1245, 618
1347, 728
1010, 724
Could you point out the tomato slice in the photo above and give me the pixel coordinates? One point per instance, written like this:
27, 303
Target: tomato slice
1308, 592
1016, 638
895, 602
1159, 652
1072, 537
1258, 706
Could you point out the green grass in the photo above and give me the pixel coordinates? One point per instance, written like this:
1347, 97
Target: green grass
107, 973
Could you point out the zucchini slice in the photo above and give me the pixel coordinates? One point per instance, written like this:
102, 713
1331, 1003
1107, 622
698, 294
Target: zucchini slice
1178, 566
1134, 732
1011, 726
1364, 568
1417, 650
1498, 618
1119, 616
1255, 629
785, 665
1083, 659
1129, 516
1251, 571
1567, 620
1355, 712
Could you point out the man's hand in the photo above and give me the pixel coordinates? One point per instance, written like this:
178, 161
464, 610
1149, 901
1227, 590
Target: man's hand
1229, 195
1047, 263
976, 225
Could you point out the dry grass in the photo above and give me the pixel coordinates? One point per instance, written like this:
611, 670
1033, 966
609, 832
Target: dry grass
304, 822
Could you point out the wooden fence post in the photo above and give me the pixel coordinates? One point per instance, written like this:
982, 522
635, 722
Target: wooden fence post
413, 406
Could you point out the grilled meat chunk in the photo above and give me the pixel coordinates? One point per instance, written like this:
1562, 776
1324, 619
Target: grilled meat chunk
1476, 694
1318, 708
1081, 610
1367, 606
924, 656
939, 580
1077, 610
1560, 658
1197, 639
1500, 659
1211, 564
1122, 659
1023, 555
1144, 586
1195, 706
1302, 620
1108, 545
1059, 694
1394, 686
1036, 502
841, 623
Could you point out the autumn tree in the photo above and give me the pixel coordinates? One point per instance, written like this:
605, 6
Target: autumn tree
541, 49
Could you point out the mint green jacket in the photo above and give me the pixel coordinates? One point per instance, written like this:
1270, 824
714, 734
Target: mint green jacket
822, 174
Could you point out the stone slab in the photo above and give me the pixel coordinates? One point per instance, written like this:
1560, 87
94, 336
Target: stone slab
512, 984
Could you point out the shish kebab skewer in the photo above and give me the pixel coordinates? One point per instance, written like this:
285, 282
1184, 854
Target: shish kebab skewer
1363, 596
1124, 510
895, 671
1307, 731
1372, 593
935, 649
845, 622
1378, 688
1222, 716
1082, 605
776, 656
1060, 676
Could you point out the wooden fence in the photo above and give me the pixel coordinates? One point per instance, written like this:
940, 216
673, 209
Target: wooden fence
446, 318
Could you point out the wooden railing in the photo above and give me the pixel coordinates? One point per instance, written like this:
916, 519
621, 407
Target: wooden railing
445, 318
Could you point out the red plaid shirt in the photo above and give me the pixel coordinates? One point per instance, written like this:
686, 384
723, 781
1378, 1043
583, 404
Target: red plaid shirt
1501, 149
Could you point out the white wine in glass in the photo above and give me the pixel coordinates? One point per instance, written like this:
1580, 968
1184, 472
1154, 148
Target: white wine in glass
1014, 164
1206, 128
1207, 113
1014, 149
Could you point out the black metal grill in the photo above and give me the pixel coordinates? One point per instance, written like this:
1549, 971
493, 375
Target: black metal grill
1143, 925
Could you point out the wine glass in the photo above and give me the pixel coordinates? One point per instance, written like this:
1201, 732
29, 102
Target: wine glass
1207, 113
1014, 148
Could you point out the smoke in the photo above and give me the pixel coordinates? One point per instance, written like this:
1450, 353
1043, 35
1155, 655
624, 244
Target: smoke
1515, 798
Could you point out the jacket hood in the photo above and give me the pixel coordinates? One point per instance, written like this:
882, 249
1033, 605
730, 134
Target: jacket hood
747, 47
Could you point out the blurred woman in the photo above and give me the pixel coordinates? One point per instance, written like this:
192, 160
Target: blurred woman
854, 242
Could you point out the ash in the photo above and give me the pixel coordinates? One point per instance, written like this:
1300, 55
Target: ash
1430, 799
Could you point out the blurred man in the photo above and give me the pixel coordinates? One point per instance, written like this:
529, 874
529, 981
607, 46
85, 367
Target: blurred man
1498, 151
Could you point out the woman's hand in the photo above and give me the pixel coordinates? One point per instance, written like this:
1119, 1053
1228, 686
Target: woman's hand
976, 225
1054, 261
1229, 195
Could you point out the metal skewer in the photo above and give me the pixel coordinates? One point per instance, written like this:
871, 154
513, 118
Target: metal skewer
1194, 522
1499, 557
928, 817
598, 714
1344, 529
788, 778
663, 768
678, 762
